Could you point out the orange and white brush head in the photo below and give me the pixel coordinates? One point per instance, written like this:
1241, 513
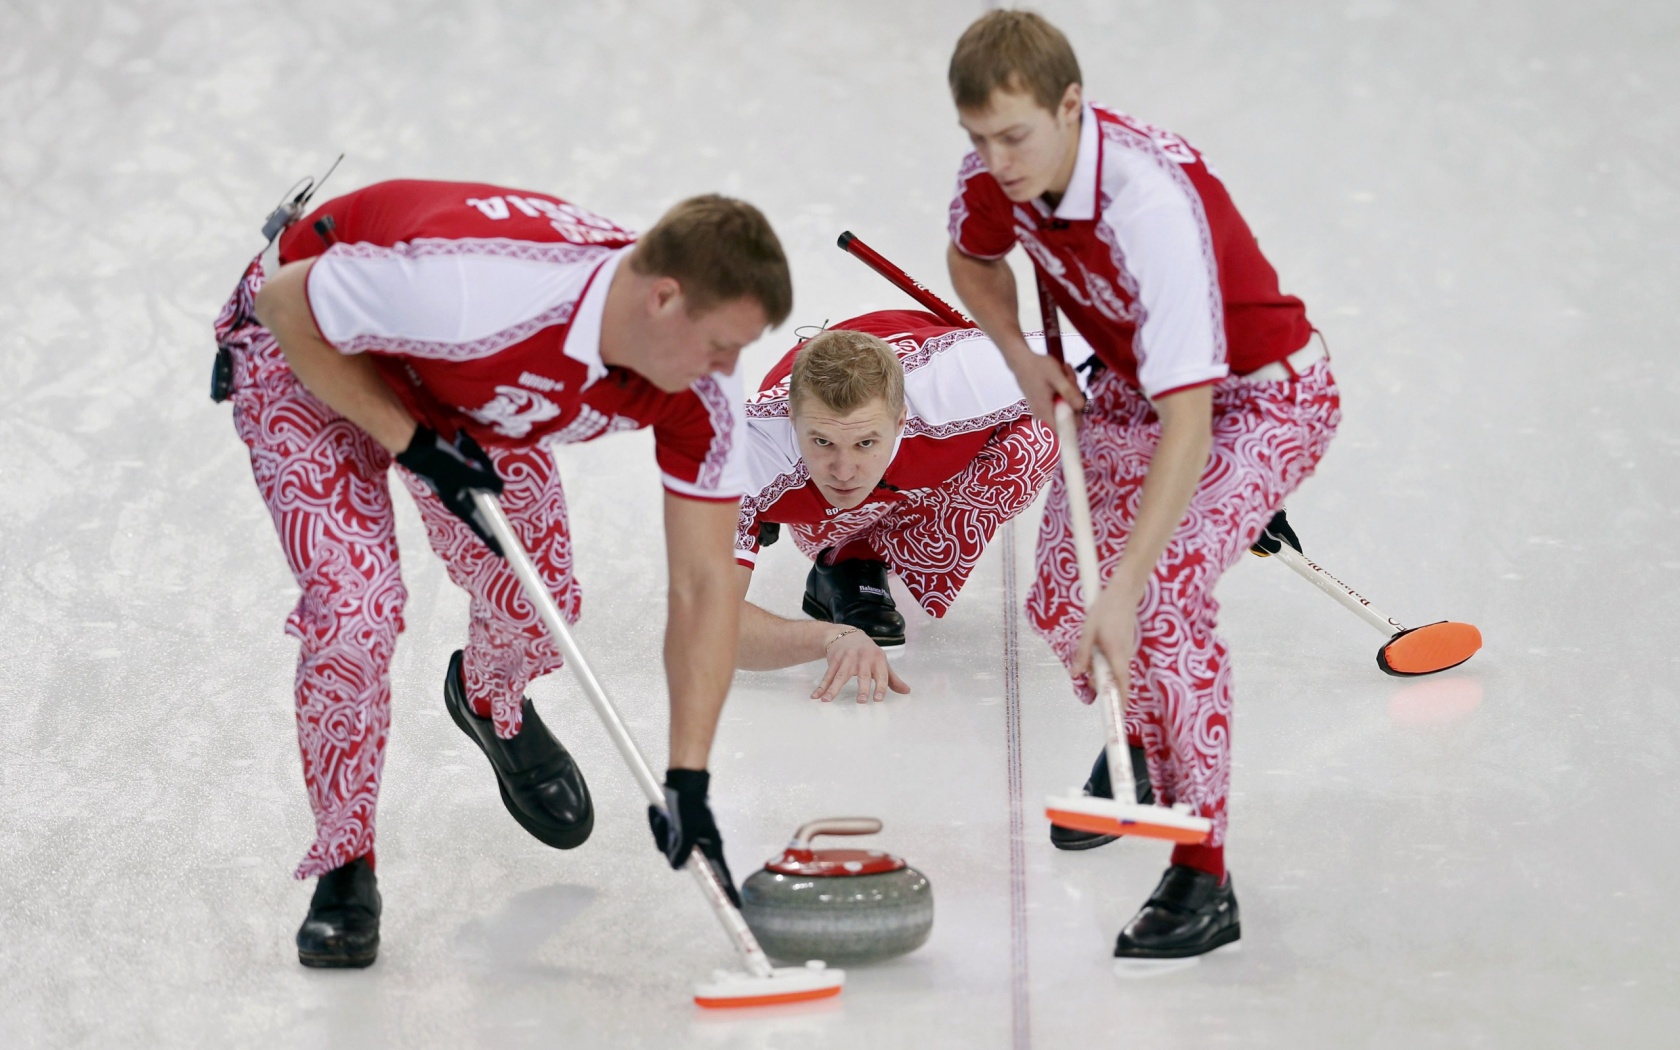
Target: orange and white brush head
785, 984
1101, 816
1433, 647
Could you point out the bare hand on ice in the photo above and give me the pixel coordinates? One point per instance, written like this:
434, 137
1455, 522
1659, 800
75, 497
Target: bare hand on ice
852, 654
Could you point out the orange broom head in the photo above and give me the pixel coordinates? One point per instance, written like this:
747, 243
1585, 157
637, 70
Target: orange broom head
1102, 816
786, 984
1425, 650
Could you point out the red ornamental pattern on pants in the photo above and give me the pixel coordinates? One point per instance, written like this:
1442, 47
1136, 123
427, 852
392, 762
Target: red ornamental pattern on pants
325, 483
933, 537
1267, 438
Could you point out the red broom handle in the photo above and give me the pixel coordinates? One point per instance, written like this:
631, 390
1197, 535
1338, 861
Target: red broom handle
1052, 326
915, 289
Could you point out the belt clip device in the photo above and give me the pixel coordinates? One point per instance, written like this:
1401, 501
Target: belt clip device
288, 211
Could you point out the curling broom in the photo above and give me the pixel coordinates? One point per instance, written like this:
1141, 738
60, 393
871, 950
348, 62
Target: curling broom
1409, 651
761, 984
1077, 810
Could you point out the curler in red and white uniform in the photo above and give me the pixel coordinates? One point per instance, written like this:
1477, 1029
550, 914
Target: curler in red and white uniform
1150, 261
966, 458
483, 312
1214, 391
969, 459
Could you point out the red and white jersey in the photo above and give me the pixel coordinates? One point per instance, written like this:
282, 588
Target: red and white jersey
1147, 256
481, 307
957, 393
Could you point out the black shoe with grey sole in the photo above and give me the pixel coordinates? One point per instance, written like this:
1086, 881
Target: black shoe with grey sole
1098, 786
1190, 913
854, 592
541, 786
341, 930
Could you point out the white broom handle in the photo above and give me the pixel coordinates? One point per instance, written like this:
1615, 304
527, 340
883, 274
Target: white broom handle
535, 589
1320, 577
1109, 697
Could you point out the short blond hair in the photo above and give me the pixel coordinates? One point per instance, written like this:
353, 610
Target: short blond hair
843, 370
1013, 51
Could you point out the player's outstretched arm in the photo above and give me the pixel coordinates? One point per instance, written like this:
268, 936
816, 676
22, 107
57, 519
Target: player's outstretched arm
1174, 472
987, 289
702, 621
348, 383
769, 642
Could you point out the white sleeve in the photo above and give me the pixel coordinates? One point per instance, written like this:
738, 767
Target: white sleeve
1168, 250
774, 468
454, 300
959, 382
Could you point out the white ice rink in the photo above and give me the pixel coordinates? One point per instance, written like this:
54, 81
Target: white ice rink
1476, 200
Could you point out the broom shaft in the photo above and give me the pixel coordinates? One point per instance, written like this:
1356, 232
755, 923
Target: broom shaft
1109, 697
535, 589
1320, 577
948, 314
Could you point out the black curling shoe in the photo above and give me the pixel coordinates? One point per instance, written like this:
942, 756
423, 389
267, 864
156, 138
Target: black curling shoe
1098, 786
854, 592
1190, 913
541, 786
342, 927
1276, 533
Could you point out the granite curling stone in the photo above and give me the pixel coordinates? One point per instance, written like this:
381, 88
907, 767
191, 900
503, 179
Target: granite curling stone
838, 905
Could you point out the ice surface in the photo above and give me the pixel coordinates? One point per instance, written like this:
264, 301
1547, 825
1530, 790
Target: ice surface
1478, 204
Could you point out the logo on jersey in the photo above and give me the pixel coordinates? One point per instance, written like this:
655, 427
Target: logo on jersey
568, 220
543, 383
1170, 143
514, 411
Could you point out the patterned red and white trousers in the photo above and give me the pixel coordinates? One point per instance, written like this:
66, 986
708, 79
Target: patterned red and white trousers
933, 537
1267, 438
324, 481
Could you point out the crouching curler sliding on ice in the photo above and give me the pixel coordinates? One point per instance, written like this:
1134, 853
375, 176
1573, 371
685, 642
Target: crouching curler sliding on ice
459, 330
1215, 403
890, 442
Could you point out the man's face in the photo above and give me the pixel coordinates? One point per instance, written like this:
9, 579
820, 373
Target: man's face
682, 347
1028, 149
847, 455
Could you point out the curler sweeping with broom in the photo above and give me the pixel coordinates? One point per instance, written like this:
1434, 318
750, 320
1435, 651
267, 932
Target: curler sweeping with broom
1214, 404
892, 441
458, 330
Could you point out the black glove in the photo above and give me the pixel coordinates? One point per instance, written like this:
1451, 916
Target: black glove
453, 471
686, 823
1276, 533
